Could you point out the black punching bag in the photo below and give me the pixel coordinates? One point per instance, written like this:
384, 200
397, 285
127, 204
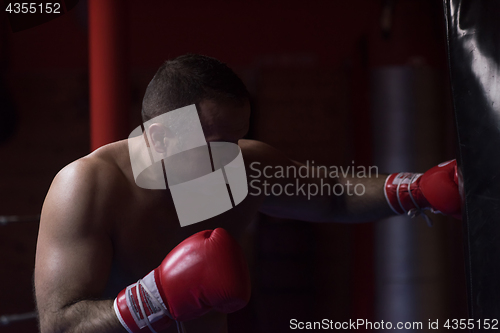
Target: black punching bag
473, 31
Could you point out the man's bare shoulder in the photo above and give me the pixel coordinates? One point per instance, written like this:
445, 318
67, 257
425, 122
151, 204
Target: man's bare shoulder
252, 144
99, 167
100, 175
258, 151
85, 190
254, 149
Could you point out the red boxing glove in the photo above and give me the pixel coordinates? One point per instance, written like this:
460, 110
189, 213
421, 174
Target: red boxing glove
436, 190
206, 271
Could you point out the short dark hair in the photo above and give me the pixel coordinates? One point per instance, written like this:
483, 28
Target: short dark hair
189, 79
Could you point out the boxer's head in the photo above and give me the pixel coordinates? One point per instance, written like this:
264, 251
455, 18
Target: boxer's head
220, 97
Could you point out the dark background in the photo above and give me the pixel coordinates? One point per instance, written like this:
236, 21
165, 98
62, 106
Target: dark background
307, 66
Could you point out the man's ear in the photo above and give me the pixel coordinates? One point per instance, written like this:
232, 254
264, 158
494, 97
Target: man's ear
158, 135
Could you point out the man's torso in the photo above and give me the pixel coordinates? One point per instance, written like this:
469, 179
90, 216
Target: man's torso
144, 227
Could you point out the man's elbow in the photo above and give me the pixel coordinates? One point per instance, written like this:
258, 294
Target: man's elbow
52, 321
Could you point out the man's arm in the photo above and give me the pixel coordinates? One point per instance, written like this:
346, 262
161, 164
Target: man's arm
74, 253
330, 194
319, 197
343, 206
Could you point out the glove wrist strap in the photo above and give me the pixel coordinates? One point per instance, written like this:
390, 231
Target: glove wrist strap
401, 192
139, 307
403, 195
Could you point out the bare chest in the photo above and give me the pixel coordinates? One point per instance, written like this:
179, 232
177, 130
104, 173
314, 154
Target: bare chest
148, 229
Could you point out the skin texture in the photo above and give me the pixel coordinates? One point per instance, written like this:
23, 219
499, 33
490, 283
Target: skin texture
99, 232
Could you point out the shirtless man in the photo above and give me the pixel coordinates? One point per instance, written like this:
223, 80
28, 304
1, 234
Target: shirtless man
100, 232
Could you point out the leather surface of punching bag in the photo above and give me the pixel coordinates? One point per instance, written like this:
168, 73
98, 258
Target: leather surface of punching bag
473, 34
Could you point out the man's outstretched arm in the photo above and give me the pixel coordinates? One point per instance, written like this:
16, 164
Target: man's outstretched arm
320, 194
74, 253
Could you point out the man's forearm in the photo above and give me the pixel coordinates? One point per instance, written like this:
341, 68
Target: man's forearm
366, 203
328, 199
82, 317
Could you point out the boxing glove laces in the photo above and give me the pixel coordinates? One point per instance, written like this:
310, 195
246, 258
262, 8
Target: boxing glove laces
435, 190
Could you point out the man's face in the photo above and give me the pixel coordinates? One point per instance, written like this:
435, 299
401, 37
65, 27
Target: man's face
224, 122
